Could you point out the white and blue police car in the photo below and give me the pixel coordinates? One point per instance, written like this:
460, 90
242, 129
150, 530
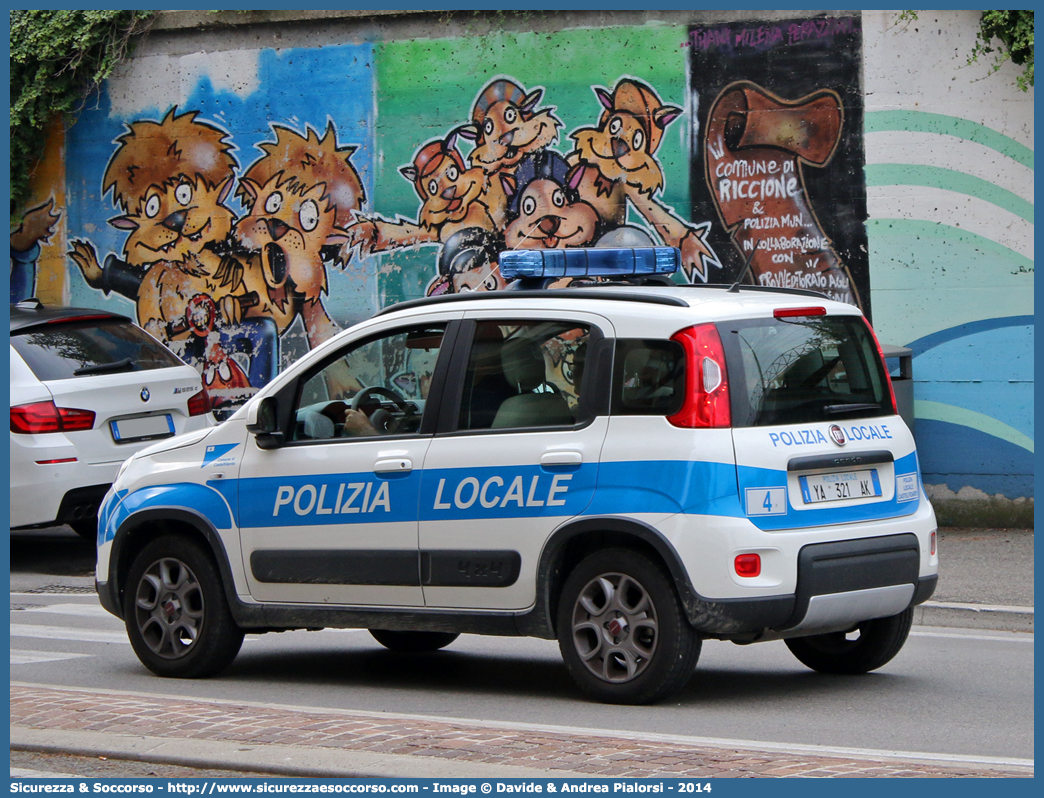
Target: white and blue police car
629, 466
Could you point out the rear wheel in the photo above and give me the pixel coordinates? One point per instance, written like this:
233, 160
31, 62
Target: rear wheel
622, 631
176, 613
869, 646
413, 642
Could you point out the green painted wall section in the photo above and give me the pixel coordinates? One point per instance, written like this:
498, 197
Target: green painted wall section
924, 122
896, 174
428, 86
938, 411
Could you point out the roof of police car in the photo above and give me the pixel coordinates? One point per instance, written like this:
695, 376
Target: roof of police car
677, 296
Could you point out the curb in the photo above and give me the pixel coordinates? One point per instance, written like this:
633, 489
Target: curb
974, 616
267, 759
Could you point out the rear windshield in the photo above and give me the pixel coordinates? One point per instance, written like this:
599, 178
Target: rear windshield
804, 369
79, 349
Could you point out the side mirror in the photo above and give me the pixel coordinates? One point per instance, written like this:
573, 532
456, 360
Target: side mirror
265, 428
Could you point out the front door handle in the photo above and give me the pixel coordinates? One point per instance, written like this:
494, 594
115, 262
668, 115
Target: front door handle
566, 458
399, 465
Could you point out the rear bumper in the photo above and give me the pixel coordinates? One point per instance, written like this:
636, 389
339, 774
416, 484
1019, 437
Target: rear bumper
839, 584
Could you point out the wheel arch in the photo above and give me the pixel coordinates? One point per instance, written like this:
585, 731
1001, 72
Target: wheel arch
573, 541
144, 526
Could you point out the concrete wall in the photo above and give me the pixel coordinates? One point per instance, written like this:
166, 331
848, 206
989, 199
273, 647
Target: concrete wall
335, 162
949, 176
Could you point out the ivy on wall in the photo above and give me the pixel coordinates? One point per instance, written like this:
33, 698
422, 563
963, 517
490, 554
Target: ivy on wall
57, 59
1014, 31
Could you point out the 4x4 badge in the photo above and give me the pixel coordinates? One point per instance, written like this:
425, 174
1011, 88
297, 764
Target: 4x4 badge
837, 435
145, 394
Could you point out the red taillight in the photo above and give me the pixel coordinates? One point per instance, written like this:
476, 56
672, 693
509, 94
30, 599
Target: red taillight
41, 417
706, 379
199, 403
748, 565
884, 366
786, 313
933, 544
75, 420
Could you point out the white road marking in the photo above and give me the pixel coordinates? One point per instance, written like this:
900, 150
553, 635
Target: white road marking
28, 657
67, 633
25, 773
1013, 637
79, 610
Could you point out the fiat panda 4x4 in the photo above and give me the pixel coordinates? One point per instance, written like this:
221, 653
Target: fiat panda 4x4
630, 469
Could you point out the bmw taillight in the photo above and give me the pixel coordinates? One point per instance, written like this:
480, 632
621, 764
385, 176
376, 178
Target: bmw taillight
41, 417
884, 366
199, 403
706, 379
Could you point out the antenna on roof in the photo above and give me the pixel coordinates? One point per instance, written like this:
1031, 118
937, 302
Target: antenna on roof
734, 288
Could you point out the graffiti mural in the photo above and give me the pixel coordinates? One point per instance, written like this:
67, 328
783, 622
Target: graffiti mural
782, 154
37, 227
513, 190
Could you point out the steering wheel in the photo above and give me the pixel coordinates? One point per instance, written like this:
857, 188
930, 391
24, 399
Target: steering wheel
381, 418
368, 393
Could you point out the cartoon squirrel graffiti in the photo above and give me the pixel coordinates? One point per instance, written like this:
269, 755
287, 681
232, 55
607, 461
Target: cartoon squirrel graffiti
450, 195
619, 156
506, 127
171, 178
301, 196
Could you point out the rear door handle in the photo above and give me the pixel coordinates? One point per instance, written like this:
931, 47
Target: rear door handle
561, 458
399, 465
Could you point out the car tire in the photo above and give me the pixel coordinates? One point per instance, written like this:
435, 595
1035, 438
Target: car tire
413, 642
622, 631
176, 613
877, 641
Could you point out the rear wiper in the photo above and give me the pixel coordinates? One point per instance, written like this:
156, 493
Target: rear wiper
101, 368
850, 408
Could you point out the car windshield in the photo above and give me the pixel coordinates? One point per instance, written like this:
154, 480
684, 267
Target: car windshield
803, 369
78, 349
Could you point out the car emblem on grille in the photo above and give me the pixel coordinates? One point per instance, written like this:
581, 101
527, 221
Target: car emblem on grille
145, 394
837, 435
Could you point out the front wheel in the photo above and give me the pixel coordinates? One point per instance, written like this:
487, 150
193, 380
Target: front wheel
413, 642
622, 631
176, 613
869, 646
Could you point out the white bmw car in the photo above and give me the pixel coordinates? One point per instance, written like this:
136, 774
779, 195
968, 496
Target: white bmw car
88, 389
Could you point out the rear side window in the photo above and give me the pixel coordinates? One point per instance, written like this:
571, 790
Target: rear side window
803, 369
648, 377
64, 351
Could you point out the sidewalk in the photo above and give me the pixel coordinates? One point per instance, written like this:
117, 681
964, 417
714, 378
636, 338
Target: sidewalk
985, 581
291, 741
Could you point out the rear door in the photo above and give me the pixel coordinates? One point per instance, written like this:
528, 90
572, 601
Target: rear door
814, 426
516, 455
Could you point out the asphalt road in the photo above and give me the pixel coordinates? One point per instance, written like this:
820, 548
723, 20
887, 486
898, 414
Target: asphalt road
949, 691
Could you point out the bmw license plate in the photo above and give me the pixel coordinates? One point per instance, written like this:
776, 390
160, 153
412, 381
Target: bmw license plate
142, 428
816, 488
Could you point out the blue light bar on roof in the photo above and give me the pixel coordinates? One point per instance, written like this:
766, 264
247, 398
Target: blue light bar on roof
594, 262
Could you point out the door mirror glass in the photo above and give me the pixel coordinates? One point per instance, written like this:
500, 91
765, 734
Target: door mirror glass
267, 415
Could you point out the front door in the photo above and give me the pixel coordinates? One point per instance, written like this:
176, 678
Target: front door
330, 517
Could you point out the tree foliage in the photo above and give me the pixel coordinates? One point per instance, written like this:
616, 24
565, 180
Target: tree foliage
1014, 30
58, 58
